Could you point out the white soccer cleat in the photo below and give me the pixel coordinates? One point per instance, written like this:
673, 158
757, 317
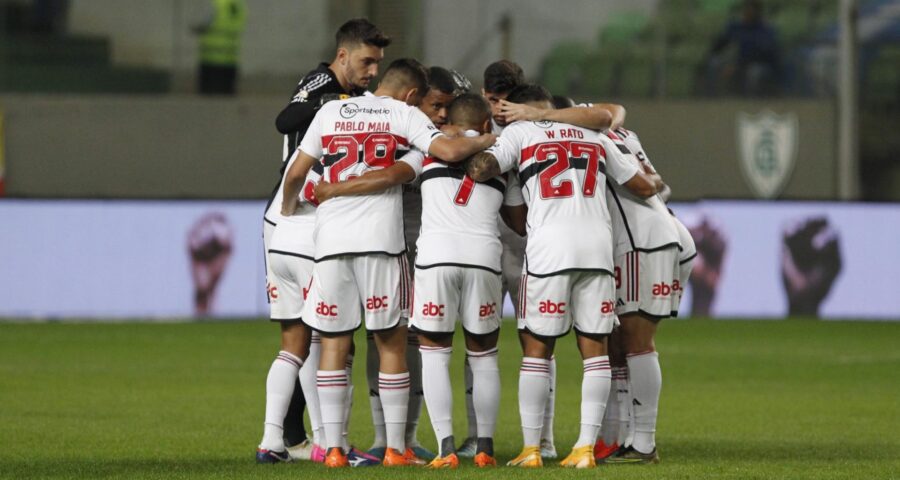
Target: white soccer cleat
301, 451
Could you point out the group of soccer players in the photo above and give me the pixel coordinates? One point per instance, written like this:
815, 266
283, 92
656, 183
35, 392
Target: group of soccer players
405, 208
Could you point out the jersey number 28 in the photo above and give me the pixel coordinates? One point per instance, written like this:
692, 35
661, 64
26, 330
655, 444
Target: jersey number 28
377, 152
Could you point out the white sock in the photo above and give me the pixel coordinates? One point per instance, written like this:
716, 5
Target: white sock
646, 383
486, 397
547, 430
470, 406
534, 381
348, 406
332, 386
609, 431
416, 392
438, 392
594, 393
308, 382
394, 392
372, 364
623, 395
279, 388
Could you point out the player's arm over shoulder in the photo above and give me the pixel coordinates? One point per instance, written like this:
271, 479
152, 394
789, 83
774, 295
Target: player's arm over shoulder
405, 170
594, 116
306, 102
483, 166
369, 183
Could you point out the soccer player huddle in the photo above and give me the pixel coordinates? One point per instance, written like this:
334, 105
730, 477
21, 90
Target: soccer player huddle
404, 210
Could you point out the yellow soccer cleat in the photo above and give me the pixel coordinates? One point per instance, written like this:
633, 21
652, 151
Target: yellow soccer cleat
450, 461
483, 460
581, 457
529, 458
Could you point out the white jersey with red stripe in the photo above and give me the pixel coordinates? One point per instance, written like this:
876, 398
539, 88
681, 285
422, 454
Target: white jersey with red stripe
562, 169
639, 224
352, 137
459, 217
303, 221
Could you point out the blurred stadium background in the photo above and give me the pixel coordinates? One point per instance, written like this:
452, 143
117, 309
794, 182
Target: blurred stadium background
127, 196
98, 100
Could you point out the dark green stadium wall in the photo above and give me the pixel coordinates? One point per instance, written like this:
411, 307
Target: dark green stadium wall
189, 147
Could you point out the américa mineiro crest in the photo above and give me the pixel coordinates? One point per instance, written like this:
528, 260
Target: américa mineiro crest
767, 148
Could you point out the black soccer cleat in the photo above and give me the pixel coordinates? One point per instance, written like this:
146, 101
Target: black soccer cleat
264, 456
628, 455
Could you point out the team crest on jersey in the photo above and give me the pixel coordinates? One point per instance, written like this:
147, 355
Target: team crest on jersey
544, 123
767, 147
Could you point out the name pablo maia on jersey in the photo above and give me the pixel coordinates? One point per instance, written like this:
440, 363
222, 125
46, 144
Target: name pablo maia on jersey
565, 133
362, 126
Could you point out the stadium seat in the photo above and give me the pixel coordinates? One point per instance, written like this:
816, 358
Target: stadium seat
561, 72
792, 23
882, 84
599, 75
636, 78
623, 29
721, 6
682, 62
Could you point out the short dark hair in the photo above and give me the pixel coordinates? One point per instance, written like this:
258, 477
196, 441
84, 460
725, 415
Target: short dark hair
503, 76
529, 92
360, 31
560, 101
407, 72
468, 109
441, 79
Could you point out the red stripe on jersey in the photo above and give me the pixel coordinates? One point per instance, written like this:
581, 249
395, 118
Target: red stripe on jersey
361, 137
528, 152
429, 160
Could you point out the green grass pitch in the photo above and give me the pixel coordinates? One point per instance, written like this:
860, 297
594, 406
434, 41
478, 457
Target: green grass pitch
741, 399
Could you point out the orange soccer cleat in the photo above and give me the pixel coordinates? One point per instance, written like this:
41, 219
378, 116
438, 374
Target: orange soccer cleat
336, 458
484, 460
393, 458
450, 461
412, 458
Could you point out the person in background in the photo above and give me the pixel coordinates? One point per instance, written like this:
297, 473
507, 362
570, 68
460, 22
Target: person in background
756, 70
220, 39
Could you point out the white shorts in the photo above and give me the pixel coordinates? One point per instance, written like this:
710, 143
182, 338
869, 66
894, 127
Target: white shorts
348, 287
648, 282
685, 258
550, 306
288, 286
447, 293
512, 259
268, 230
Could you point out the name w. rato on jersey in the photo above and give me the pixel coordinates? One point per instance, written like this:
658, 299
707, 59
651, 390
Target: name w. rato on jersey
562, 169
350, 138
459, 217
642, 224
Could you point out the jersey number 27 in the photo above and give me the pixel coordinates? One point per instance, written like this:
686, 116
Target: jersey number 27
562, 159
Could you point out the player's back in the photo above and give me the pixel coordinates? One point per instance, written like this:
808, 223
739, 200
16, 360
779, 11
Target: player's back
562, 169
459, 217
353, 137
638, 223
